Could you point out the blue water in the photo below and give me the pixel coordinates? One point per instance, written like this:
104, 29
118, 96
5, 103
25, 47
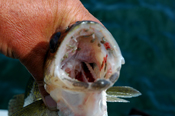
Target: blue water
145, 32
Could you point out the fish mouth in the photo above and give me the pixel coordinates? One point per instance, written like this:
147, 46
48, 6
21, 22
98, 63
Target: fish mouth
87, 58
86, 63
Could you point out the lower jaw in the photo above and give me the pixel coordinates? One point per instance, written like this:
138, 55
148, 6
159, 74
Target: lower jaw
71, 103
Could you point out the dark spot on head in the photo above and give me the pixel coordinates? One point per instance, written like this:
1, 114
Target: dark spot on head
54, 42
99, 45
78, 49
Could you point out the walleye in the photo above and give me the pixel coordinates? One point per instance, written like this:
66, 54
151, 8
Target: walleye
82, 64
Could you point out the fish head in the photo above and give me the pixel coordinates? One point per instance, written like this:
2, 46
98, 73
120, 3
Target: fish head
86, 62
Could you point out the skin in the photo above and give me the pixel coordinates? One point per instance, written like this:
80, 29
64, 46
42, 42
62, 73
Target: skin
26, 27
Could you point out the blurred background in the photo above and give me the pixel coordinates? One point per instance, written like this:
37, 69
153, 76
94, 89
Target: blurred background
145, 32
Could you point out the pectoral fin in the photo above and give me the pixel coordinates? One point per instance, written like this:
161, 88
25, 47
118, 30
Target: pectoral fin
121, 91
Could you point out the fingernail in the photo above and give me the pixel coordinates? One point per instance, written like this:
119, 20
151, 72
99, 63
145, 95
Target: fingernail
51, 104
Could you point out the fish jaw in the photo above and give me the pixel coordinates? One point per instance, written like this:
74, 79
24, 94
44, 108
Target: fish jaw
86, 64
71, 103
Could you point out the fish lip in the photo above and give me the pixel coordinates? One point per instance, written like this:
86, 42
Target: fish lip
69, 83
80, 22
100, 84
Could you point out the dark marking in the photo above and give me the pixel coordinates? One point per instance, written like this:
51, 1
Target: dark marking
78, 49
86, 21
105, 75
107, 45
102, 65
105, 66
79, 76
54, 42
92, 40
86, 30
100, 84
92, 65
70, 27
114, 77
65, 56
99, 45
103, 62
78, 22
103, 40
87, 73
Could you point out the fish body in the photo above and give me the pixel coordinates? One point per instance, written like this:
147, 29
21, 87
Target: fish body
81, 67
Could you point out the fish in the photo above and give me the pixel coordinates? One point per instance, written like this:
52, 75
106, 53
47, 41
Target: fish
82, 65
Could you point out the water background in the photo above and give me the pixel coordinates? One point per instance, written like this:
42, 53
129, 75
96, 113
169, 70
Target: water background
145, 32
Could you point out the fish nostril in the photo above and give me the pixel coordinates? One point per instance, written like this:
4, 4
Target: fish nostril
100, 84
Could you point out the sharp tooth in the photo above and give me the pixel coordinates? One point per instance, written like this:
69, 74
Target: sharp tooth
84, 77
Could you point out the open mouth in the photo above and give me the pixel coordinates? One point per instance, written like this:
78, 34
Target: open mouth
81, 72
86, 57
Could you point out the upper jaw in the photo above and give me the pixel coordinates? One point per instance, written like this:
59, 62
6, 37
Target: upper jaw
101, 45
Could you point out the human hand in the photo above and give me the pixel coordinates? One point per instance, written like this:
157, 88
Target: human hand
27, 26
